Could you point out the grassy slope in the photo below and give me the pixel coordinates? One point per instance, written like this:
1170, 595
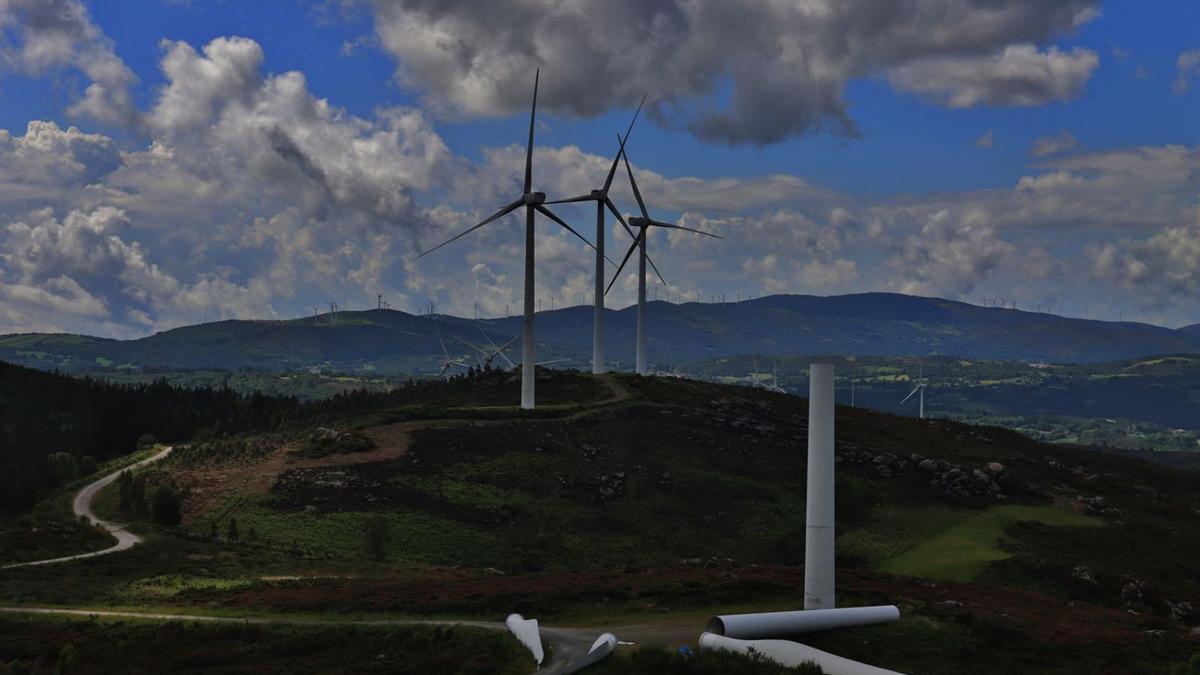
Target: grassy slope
525, 493
960, 552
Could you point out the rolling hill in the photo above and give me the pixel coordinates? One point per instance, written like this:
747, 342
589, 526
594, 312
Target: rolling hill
387, 341
643, 505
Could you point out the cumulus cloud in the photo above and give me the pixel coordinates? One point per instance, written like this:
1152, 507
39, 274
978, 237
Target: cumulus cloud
1157, 271
1063, 141
785, 65
1187, 66
949, 257
38, 36
1019, 75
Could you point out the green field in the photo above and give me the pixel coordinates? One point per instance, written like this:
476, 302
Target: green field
962, 550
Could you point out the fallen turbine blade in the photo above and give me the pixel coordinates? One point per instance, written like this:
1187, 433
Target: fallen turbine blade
499, 214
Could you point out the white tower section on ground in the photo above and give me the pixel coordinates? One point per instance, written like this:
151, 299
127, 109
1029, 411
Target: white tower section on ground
819, 532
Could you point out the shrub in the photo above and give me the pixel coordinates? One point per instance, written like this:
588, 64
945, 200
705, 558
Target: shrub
166, 508
375, 538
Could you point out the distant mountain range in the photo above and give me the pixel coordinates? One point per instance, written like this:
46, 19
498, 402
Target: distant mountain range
388, 341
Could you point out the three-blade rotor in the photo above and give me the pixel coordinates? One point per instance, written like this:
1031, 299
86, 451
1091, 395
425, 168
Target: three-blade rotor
530, 200
644, 224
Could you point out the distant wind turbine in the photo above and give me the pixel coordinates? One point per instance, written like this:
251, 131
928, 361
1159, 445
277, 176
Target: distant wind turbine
643, 224
533, 202
919, 389
602, 200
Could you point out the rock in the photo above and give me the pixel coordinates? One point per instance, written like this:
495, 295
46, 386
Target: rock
1195, 631
1155, 633
1181, 610
1084, 574
994, 468
953, 604
1133, 591
927, 465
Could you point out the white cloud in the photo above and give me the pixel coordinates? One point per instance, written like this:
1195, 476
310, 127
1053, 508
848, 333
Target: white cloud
1063, 141
787, 62
1018, 75
37, 36
1187, 66
1157, 271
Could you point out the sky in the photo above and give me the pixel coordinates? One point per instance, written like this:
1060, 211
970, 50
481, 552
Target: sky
168, 162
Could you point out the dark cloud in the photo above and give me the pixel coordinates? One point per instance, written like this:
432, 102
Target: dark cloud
736, 72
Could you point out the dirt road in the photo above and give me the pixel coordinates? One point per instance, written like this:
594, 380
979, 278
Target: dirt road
82, 506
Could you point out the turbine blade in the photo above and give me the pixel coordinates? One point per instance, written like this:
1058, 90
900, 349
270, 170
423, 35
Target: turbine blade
580, 198
910, 395
659, 223
617, 274
637, 194
499, 214
546, 212
612, 170
529, 148
655, 268
613, 207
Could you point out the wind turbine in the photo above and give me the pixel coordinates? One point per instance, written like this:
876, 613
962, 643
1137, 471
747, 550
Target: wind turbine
602, 200
920, 388
447, 361
486, 355
533, 202
643, 224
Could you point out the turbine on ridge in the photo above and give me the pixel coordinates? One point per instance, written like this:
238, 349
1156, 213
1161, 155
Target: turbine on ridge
533, 202
643, 224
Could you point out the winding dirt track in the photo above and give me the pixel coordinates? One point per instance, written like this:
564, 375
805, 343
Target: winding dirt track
82, 506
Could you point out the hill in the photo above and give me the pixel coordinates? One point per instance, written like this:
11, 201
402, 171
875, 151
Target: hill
1193, 330
387, 341
649, 503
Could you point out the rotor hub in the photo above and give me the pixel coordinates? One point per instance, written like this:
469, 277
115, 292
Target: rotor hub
534, 198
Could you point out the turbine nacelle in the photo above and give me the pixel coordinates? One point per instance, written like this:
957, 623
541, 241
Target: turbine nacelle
599, 195
639, 222
533, 198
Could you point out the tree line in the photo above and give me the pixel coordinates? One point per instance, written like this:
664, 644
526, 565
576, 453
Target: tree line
56, 428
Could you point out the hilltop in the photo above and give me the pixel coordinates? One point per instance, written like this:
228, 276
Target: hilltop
388, 341
650, 503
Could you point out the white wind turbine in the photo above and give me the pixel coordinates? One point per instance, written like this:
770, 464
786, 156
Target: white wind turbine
643, 224
919, 389
602, 201
533, 202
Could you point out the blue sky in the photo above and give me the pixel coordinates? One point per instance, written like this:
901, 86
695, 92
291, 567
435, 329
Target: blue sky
912, 202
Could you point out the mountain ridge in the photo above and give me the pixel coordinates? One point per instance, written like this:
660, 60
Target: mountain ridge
874, 324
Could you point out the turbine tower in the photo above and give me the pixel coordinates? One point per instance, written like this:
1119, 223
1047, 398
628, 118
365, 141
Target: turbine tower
643, 224
919, 389
600, 196
533, 202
